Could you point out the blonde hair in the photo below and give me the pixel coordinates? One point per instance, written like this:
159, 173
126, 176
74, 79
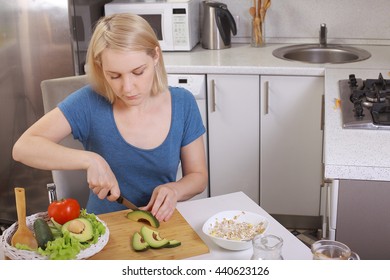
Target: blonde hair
125, 32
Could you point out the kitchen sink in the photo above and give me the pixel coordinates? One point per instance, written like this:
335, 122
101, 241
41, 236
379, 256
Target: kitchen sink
316, 53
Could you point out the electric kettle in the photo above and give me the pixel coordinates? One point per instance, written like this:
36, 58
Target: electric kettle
218, 25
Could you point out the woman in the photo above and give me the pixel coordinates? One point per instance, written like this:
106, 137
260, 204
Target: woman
134, 129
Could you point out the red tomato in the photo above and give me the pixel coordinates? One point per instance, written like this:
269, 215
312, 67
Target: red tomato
64, 210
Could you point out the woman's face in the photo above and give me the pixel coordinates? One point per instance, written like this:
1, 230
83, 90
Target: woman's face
129, 73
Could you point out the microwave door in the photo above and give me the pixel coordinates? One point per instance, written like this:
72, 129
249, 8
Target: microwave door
162, 26
159, 17
155, 22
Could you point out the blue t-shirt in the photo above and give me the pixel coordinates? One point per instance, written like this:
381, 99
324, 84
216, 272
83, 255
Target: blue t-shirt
137, 170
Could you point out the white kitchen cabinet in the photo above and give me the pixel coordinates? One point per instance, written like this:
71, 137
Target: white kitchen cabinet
291, 144
233, 127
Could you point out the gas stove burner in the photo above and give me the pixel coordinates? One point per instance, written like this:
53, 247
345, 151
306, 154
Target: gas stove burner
381, 114
374, 99
365, 104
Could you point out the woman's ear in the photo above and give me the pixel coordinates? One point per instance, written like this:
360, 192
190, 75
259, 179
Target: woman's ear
156, 57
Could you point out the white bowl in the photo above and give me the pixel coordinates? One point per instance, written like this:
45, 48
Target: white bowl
237, 216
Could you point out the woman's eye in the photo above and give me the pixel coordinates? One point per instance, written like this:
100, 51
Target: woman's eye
114, 77
138, 73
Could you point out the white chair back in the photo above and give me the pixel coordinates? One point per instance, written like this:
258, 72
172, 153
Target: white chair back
69, 183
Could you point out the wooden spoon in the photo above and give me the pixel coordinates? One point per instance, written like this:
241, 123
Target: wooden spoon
23, 234
255, 23
252, 11
258, 7
267, 4
264, 8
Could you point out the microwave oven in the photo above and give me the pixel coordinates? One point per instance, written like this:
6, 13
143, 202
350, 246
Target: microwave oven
175, 22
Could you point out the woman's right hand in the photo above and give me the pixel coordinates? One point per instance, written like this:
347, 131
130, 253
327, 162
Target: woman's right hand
101, 179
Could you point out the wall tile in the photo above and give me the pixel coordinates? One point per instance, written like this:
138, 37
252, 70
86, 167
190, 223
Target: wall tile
295, 21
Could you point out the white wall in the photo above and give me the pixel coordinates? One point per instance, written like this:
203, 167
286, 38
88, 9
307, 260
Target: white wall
295, 21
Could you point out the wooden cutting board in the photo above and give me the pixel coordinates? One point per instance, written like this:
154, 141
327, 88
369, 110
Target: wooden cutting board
122, 230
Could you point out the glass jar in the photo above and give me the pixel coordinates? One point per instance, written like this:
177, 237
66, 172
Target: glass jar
267, 247
258, 38
332, 250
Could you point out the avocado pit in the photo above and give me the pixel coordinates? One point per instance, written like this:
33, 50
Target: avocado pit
76, 226
79, 228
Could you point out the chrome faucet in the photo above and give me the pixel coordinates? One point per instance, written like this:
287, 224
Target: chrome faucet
323, 31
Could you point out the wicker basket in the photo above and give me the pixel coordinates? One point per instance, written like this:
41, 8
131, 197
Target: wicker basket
15, 254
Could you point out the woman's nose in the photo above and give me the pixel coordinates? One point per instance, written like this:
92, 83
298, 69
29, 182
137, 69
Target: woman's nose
127, 83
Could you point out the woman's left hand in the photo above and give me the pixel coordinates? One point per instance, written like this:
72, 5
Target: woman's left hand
163, 202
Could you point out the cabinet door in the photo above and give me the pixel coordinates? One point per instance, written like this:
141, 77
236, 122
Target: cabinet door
233, 120
291, 144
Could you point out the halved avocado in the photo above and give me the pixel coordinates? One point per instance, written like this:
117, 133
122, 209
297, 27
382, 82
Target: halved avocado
56, 228
79, 228
143, 216
173, 243
57, 225
153, 238
138, 242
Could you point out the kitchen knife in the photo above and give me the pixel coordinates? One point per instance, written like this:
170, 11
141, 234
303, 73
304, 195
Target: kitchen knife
125, 202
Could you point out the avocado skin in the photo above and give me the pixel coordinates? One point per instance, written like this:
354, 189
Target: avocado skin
173, 243
57, 225
142, 215
153, 238
138, 243
85, 235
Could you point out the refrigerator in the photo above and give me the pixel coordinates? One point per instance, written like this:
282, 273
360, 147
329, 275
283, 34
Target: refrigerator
39, 40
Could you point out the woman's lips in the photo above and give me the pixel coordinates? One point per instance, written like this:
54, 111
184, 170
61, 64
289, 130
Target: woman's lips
131, 97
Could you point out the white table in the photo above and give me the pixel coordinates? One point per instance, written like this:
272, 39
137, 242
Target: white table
196, 212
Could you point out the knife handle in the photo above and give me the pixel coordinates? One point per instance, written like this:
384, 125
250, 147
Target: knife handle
119, 200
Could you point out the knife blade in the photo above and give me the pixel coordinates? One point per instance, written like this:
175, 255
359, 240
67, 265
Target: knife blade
125, 202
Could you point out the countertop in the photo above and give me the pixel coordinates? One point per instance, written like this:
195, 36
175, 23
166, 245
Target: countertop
243, 59
348, 154
353, 153
196, 212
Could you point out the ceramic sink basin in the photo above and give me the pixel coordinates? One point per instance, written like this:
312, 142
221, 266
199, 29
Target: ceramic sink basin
315, 53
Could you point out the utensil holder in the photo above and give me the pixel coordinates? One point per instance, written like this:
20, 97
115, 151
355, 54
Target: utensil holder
257, 38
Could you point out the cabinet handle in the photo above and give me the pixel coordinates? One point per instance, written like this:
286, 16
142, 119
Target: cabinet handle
266, 97
213, 97
322, 113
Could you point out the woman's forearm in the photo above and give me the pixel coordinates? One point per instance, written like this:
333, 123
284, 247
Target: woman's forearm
191, 185
41, 153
